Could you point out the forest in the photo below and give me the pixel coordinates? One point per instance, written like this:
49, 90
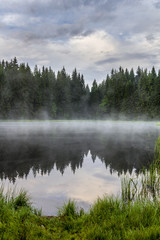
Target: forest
40, 94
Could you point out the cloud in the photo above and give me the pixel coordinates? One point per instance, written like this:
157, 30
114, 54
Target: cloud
93, 36
65, 19
128, 57
150, 37
81, 52
108, 60
133, 52
157, 4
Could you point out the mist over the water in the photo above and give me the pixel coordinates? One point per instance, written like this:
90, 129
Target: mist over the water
72, 157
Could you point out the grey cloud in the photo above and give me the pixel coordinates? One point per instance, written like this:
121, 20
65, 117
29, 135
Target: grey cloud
47, 7
128, 56
49, 31
150, 37
139, 55
69, 30
2, 26
64, 19
26, 36
51, 24
157, 4
87, 32
108, 60
51, 7
37, 8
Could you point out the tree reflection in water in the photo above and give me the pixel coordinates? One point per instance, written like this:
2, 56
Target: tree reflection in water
58, 146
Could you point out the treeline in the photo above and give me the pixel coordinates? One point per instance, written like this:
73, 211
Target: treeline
131, 94
42, 93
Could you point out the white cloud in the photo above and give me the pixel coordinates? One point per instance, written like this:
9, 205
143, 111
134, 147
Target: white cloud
13, 20
93, 47
19, 20
83, 52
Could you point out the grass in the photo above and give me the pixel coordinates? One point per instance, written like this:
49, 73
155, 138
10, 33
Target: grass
109, 218
136, 215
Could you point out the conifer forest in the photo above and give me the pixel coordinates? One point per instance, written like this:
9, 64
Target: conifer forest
39, 94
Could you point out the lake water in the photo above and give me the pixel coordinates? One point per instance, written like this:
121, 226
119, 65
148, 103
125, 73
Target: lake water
60, 160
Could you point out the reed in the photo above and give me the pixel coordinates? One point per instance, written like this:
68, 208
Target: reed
146, 185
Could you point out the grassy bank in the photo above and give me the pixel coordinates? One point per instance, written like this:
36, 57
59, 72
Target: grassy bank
136, 215
108, 218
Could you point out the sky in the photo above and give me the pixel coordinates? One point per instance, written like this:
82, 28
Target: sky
91, 36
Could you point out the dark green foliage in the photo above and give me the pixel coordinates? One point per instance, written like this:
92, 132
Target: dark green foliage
69, 210
22, 200
132, 95
42, 94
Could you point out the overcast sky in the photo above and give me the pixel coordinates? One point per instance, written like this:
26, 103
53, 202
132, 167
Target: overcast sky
93, 36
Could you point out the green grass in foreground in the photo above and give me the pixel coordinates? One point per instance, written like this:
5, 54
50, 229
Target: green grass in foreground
109, 218
136, 215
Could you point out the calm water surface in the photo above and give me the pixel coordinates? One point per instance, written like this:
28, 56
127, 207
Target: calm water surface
80, 160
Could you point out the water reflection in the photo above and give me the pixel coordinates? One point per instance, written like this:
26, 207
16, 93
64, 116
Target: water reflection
35, 146
80, 160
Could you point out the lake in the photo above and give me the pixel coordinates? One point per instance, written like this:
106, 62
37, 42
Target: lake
60, 160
